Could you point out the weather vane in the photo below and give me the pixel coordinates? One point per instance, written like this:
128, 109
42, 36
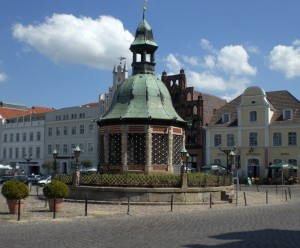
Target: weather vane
144, 8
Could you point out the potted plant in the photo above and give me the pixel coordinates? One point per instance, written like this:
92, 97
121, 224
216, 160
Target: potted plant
56, 190
14, 191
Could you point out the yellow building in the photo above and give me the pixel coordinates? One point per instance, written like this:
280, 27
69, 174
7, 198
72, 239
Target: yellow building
262, 128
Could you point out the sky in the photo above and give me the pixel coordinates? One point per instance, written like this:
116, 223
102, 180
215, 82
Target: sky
61, 53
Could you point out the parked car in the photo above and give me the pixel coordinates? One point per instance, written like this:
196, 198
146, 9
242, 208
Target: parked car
22, 178
3, 179
45, 181
34, 179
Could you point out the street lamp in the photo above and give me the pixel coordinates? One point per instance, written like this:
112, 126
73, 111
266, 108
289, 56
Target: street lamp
55, 155
184, 155
28, 159
77, 152
76, 174
228, 152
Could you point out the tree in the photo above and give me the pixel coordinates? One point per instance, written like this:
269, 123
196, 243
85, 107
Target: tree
47, 166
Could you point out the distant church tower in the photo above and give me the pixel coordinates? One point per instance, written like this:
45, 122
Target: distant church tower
120, 73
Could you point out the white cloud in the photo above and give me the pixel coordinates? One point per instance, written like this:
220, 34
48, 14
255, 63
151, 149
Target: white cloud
82, 40
194, 61
234, 60
173, 64
225, 72
3, 77
296, 42
286, 59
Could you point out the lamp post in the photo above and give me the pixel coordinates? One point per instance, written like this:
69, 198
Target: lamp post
227, 152
28, 159
55, 155
76, 174
184, 155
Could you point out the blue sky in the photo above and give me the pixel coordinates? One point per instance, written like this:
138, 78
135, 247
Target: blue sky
61, 53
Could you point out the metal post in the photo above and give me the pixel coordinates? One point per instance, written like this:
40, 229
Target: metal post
245, 199
86, 204
285, 195
172, 201
237, 185
276, 189
54, 208
266, 196
128, 209
210, 200
19, 209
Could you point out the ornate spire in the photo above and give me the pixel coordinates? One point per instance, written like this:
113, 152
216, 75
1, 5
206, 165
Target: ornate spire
144, 9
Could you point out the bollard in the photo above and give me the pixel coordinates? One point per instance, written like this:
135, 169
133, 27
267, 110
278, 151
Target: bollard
210, 200
54, 209
172, 201
266, 196
290, 195
19, 210
285, 195
276, 189
257, 188
128, 209
37, 191
245, 199
86, 204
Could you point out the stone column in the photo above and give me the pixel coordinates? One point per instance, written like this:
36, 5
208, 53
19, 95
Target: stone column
170, 153
124, 148
148, 166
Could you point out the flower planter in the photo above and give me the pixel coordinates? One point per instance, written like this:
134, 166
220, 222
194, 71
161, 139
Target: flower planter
58, 205
13, 205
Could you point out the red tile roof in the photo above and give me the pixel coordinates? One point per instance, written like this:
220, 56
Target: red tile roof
7, 113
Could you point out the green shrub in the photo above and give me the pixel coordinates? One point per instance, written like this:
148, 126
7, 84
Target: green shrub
56, 189
15, 190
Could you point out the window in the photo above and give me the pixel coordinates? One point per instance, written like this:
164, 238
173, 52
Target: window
57, 117
17, 153
230, 139
73, 116
73, 130
66, 117
277, 140
11, 137
49, 149
24, 136
38, 152
65, 130
57, 131
73, 147
65, 148
10, 152
57, 147
81, 129
218, 140
90, 148
30, 151
50, 131
81, 115
252, 139
225, 118
81, 147
253, 116
292, 138
287, 114
91, 128
5, 138
17, 137
38, 136
292, 161
31, 136
23, 152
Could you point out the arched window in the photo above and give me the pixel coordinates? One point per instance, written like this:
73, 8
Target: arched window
195, 110
189, 96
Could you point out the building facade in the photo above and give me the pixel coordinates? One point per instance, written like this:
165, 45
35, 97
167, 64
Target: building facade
67, 128
195, 107
261, 128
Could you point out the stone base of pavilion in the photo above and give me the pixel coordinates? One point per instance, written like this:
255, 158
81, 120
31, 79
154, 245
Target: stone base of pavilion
153, 195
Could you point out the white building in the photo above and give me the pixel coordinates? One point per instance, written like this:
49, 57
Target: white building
67, 128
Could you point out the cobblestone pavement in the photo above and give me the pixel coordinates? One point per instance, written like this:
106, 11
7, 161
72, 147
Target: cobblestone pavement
258, 224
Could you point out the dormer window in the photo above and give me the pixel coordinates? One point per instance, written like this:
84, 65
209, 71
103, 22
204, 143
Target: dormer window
287, 114
225, 118
253, 116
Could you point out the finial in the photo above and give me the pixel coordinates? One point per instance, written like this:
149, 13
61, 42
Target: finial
144, 8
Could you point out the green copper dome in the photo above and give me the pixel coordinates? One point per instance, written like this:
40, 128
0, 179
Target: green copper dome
142, 96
